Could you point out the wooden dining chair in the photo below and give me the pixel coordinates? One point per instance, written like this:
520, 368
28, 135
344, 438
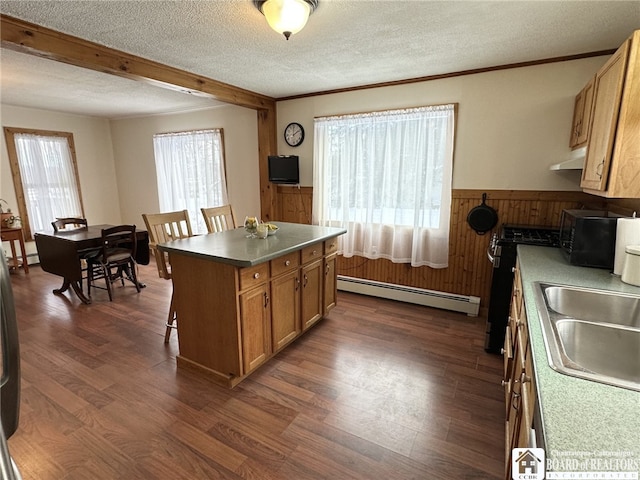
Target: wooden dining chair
71, 223
219, 219
116, 260
164, 228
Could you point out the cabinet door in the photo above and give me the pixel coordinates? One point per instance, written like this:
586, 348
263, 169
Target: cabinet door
581, 116
285, 309
606, 105
254, 321
311, 297
330, 283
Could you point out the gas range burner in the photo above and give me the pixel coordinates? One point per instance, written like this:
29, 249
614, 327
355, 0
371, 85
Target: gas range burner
530, 235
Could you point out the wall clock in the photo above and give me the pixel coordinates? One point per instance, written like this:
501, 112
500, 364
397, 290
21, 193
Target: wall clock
294, 134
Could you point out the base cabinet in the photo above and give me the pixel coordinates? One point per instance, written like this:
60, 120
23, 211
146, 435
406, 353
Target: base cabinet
518, 381
254, 326
285, 309
330, 283
311, 294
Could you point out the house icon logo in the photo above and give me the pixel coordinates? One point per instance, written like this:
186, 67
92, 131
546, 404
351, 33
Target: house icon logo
527, 464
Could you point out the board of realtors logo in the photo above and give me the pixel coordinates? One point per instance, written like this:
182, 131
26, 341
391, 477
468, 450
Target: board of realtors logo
527, 464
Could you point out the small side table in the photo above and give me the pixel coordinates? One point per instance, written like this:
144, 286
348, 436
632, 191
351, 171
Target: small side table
13, 235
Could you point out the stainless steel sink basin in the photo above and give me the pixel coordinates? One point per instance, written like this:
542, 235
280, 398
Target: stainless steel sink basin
592, 334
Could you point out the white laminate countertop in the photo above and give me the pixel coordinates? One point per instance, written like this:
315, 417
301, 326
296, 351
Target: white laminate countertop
234, 248
581, 419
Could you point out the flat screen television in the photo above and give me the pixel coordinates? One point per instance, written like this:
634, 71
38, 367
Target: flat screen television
284, 169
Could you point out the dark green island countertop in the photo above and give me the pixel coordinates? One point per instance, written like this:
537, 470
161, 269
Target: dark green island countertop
234, 248
580, 418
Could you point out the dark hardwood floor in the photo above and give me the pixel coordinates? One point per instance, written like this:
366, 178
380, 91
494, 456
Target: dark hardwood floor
377, 390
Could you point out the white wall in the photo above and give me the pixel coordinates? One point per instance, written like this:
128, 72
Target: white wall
94, 154
512, 124
135, 164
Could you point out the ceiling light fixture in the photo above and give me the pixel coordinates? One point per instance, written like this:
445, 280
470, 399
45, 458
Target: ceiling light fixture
286, 16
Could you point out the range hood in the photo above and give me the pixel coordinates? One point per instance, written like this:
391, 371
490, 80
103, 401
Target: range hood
575, 160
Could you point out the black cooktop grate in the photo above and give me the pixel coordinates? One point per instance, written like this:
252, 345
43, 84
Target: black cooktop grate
530, 235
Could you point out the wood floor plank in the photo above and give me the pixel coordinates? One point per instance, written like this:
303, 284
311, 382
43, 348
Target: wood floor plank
376, 390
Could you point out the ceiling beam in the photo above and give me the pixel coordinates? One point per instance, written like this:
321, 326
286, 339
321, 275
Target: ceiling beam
43, 42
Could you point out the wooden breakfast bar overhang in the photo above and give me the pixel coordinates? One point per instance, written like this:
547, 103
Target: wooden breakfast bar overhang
240, 300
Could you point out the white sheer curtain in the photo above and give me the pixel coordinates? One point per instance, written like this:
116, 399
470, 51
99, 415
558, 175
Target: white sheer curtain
48, 179
386, 178
190, 172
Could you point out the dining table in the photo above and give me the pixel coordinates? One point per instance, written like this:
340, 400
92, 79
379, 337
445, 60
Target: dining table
61, 253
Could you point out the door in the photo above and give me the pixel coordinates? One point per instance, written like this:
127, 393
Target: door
604, 121
311, 297
254, 318
330, 290
285, 309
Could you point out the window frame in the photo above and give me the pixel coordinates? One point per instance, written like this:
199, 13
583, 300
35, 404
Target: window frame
223, 161
9, 133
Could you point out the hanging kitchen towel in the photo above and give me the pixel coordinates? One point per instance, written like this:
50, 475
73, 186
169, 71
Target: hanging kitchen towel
627, 233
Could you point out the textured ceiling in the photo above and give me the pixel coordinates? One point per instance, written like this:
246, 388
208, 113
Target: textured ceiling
345, 44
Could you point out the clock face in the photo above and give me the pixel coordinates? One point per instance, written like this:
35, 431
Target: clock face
294, 134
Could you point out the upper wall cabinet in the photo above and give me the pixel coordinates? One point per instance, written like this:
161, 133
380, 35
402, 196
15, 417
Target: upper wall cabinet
582, 116
612, 167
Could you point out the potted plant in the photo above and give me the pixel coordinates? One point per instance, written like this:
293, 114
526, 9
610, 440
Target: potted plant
7, 218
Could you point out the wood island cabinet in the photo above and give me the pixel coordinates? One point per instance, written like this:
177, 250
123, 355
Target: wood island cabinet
233, 318
612, 166
518, 381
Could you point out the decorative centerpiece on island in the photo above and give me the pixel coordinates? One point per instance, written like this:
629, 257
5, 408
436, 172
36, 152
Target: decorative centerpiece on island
251, 226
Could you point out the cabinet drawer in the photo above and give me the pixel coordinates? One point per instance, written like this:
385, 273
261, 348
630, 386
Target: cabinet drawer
330, 246
311, 253
255, 275
286, 263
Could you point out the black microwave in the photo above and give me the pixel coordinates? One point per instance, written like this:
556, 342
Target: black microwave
588, 237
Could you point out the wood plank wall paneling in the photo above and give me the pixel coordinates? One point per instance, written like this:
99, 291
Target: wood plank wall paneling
469, 271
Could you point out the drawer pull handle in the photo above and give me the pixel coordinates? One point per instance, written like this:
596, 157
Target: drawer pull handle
266, 300
287, 263
256, 275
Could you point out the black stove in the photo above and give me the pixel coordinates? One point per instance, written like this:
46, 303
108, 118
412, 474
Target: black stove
502, 254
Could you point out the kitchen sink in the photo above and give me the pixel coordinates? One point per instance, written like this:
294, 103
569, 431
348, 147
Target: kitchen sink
591, 334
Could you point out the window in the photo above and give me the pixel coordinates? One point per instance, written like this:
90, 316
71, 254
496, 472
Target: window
386, 178
191, 172
45, 176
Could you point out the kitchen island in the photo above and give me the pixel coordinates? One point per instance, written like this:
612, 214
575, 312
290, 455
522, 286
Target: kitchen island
585, 425
241, 300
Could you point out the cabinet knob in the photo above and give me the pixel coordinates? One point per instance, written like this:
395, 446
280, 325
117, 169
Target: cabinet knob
502, 351
513, 269
503, 383
256, 275
287, 263
314, 253
525, 378
600, 168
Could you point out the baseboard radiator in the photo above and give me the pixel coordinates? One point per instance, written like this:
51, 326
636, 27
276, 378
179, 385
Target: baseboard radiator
420, 296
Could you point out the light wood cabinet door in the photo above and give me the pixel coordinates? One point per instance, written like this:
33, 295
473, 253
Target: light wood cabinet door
285, 309
254, 325
606, 105
330, 290
311, 295
581, 116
